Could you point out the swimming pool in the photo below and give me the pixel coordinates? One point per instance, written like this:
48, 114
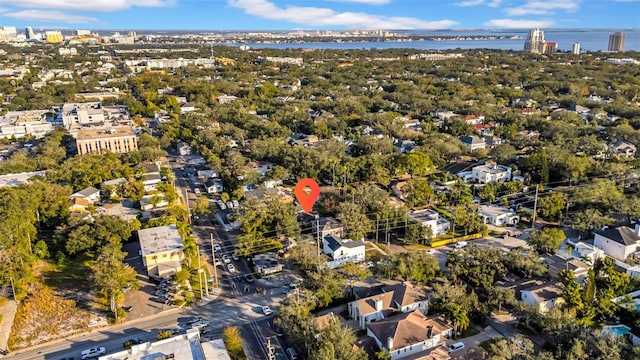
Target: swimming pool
617, 330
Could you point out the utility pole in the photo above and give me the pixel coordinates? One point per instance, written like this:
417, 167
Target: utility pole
270, 353
200, 272
535, 209
377, 221
186, 201
13, 288
318, 235
213, 257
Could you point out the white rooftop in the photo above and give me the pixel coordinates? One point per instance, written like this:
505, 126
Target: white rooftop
181, 347
159, 239
18, 178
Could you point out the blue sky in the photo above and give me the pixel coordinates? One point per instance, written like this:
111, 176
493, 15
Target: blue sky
319, 14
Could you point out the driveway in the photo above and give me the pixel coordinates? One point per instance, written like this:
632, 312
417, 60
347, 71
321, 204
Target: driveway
471, 344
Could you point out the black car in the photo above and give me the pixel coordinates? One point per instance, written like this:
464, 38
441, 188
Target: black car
249, 278
129, 343
128, 308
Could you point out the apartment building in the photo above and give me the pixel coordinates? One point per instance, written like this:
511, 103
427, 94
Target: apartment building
119, 140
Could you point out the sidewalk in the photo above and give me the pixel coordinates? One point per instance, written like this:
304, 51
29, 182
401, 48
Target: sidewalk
8, 313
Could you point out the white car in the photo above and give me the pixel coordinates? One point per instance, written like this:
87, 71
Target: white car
455, 347
236, 203
92, 353
231, 268
225, 259
235, 257
460, 245
431, 251
199, 324
217, 247
267, 310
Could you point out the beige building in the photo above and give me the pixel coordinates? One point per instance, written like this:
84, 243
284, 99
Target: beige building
119, 140
616, 42
161, 249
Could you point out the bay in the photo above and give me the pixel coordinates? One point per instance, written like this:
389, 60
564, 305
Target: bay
590, 40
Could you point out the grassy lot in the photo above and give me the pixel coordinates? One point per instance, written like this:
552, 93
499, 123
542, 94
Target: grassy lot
70, 275
470, 331
371, 253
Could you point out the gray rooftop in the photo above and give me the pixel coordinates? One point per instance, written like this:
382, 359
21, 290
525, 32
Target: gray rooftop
159, 239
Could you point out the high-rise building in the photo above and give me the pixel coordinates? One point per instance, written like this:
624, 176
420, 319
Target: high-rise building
8, 33
549, 47
28, 32
576, 48
534, 41
616, 42
53, 37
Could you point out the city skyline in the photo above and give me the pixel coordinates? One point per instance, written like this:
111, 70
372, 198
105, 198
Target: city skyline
322, 15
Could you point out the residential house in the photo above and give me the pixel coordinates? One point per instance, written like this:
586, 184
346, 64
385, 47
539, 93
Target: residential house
489, 172
151, 177
580, 250
342, 250
498, 216
494, 141
619, 242
78, 205
558, 263
161, 249
431, 218
125, 213
543, 296
327, 226
187, 107
214, 186
302, 140
226, 99
154, 201
204, 175
399, 298
113, 186
266, 264
183, 148
474, 119
280, 193
408, 334
473, 142
622, 149
90, 194
323, 321
262, 167
405, 146
580, 110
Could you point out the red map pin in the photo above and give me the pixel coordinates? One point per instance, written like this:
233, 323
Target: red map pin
307, 192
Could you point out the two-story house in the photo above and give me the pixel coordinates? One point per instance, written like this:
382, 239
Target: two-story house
473, 142
619, 242
90, 194
161, 249
431, 218
543, 296
342, 250
409, 333
498, 216
402, 297
489, 172
622, 149
326, 226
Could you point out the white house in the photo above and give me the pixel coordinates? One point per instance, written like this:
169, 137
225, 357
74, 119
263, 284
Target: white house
498, 216
622, 149
402, 297
187, 107
260, 166
487, 173
410, 333
183, 148
618, 242
342, 250
90, 194
214, 186
473, 142
431, 218
543, 296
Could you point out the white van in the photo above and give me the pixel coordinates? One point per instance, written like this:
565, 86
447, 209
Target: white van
460, 244
456, 346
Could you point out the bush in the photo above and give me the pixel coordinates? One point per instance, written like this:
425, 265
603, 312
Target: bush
164, 335
233, 342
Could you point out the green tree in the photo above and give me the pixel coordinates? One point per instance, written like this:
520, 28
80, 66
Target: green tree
336, 343
572, 293
548, 239
355, 221
551, 205
233, 342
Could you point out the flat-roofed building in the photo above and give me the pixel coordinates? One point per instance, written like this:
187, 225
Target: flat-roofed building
21, 123
88, 113
189, 346
118, 140
161, 249
19, 178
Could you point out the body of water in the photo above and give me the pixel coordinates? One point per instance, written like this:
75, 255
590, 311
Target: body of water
590, 40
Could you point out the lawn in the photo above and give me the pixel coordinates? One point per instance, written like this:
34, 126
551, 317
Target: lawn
71, 275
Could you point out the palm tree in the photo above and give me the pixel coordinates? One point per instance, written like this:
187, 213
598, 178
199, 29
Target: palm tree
460, 318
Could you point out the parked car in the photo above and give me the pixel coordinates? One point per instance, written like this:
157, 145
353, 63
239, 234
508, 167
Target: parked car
129, 343
460, 244
217, 247
217, 262
267, 310
249, 278
235, 257
431, 251
199, 325
236, 203
231, 268
128, 308
225, 259
92, 353
230, 204
456, 346
194, 320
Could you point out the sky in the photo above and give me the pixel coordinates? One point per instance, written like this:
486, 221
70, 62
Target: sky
319, 14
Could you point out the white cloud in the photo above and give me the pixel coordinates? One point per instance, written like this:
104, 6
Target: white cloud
469, 3
88, 5
494, 3
3, 10
315, 16
542, 7
49, 16
369, 2
518, 23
